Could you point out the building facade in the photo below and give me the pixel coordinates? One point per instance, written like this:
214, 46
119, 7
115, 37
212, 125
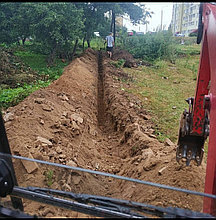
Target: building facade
185, 17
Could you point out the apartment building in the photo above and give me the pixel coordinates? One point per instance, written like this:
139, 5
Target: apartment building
185, 17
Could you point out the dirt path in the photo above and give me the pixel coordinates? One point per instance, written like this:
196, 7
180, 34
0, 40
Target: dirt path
86, 119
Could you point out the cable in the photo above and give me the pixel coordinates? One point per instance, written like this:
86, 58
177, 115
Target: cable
112, 175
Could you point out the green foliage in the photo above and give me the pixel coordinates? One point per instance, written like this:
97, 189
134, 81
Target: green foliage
187, 40
163, 88
11, 97
150, 47
15, 21
187, 50
119, 63
194, 34
38, 63
57, 25
49, 177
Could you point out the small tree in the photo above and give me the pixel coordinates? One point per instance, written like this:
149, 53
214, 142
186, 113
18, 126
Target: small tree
15, 21
56, 26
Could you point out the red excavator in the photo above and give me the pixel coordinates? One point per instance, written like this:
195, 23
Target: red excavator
196, 124
199, 121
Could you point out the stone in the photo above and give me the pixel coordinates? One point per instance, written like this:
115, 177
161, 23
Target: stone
39, 100
76, 179
71, 163
47, 108
152, 135
62, 156
58, 150
146, 117
42, 121
8, 117
147, 153
44, 141
65, 122
75, 126
30, 166
63, 97
168, 142
160, 172
76, 117
67, 187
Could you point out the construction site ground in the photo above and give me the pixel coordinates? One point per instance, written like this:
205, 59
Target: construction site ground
85, 119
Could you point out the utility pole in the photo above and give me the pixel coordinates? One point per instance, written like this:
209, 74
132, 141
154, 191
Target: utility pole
161, 18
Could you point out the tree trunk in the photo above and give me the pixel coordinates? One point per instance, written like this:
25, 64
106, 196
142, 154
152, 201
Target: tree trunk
23, 40
74, 49
88, 42
51, 58
111, 26
114, 26
83, 44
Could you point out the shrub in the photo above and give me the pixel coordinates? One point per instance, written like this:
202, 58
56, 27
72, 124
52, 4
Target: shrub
150, 47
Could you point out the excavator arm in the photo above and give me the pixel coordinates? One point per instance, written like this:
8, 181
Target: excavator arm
199, 121
194, 123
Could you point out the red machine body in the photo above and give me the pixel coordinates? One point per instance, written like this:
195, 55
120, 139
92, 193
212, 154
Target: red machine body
199, 121
209, 45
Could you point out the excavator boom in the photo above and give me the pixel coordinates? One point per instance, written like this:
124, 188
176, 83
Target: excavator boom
199, 121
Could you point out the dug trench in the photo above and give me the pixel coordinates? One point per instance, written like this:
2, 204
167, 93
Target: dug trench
86, 119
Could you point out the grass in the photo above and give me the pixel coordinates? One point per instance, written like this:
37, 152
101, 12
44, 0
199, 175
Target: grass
166, 86
37, 62
11, 97
49, 177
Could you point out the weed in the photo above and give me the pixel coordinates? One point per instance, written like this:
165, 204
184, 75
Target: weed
118, 64
49, 177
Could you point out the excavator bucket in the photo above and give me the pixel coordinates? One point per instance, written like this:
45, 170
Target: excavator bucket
190, 146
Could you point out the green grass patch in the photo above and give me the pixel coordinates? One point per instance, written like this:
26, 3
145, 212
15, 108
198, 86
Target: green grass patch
37, 62
163, 89
11, 97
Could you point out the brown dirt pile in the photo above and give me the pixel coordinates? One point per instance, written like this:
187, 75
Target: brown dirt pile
12, 71
86, 119
123, 54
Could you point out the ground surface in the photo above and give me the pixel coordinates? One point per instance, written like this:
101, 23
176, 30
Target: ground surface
13, 72
86, 119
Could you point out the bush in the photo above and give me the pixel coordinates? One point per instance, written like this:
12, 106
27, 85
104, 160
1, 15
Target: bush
150, 47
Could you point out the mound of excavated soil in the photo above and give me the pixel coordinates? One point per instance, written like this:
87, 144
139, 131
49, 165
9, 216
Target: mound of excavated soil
86, 119
123, 54
12, 71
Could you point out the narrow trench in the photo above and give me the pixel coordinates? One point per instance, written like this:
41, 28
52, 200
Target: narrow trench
100, 98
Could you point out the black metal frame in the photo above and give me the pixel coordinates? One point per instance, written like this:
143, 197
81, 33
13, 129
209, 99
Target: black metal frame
5, 148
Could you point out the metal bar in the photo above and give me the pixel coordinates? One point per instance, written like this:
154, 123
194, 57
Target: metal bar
71, 205
209, 13
120, 204
5, 148
114, 176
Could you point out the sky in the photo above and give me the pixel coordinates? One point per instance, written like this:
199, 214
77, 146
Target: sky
155, 20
